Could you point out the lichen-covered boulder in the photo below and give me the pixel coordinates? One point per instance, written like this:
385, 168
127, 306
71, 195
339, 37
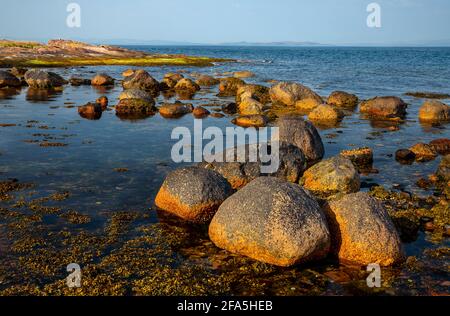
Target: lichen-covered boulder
362, 158
326, 114
434, 111
301, 133
295, 94
228, 86
332, 176
362, 231
187, 84
175, 110
254, 120
343, 99
141, 80
384, 108
272, 221
41, 79
8, 80
102, 80
193, 194
256, 92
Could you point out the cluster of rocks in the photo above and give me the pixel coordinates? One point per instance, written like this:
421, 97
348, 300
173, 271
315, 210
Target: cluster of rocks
254, 106
309, 209
422, 152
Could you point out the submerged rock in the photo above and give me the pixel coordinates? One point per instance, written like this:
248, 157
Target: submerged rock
292, 164
103, 101
200, 112
384, 108
423, 152
434, 111
255, 120
193, 194
243, 74
228, 86
343, 99
230, 108
92, 111
79, 82
102, 80
362, 231
141, 80
41, 79
405, 156
8, 80
325, 113
135, 107
295, 94
301, 133
362, 158
443, 171
272, 221
441, 146
207, 81
332, 176
175, 110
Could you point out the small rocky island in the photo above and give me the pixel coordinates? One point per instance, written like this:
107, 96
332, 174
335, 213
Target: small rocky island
64, 53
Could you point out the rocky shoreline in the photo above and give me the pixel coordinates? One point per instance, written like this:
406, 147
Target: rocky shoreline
311, 211
66, 53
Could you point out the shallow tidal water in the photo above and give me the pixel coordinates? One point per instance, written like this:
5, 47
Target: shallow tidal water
110, 170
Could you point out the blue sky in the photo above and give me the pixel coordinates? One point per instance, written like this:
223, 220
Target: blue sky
218, 21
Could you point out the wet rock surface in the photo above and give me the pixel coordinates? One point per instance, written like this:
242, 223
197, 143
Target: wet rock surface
272, 221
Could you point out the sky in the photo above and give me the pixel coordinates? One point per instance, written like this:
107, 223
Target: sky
337, 22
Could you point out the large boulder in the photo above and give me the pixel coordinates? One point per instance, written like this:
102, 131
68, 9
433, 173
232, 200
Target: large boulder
292, 164
141, 80
332, 176
272, 221
8, 80
102, 80
384, 108
434, 111
326, 114
301, 133
187, 85
175, 110
228, 86
254, 91
423, 152
40, 79
193, 194
294, 94
343, 99
362, 231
